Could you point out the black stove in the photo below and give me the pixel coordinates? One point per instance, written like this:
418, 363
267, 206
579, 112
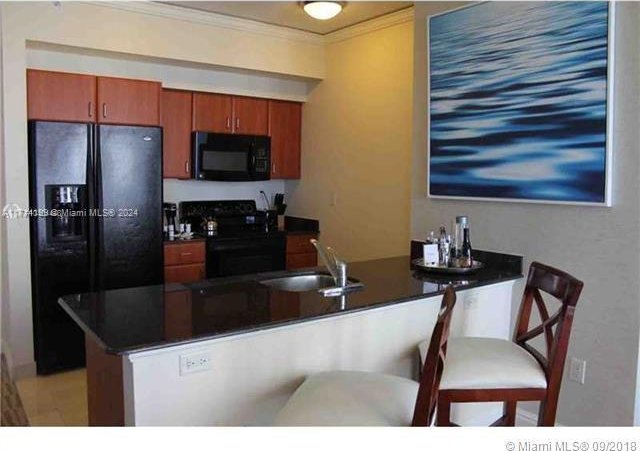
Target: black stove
244, 244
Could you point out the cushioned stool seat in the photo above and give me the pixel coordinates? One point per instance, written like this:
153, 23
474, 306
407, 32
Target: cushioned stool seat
360, 398
485, 363
351, 398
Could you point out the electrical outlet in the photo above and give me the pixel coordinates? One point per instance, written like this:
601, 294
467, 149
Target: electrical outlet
470, 303
577, 370
194, 363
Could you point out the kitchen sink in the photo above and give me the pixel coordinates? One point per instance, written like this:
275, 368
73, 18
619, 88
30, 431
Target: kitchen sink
306, 282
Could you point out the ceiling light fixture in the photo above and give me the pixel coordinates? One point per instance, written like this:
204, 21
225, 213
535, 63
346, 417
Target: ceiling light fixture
322, 10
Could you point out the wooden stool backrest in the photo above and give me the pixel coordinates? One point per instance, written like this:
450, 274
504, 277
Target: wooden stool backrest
434, 363
564, 288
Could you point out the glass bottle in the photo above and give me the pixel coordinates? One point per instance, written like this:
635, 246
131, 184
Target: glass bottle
465, 257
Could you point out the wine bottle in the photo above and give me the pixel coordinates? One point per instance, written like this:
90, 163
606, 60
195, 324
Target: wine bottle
466, 260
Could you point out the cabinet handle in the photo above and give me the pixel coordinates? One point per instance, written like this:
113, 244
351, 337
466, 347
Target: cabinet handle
90, 112
104, 110
273, 168
228, 122
185, 254
237, 123
186, 167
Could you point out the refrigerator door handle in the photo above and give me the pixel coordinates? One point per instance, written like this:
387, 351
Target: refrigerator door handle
98, 219
91, 224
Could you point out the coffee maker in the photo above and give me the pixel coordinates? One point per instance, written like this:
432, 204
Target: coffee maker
170, 210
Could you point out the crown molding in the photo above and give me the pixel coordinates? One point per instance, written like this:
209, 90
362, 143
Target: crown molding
208, 18
251, 26
368, 26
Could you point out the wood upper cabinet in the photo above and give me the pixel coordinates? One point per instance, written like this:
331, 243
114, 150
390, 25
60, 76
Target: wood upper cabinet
212, 113
285, 120
250, 116
175, 118
222, 113
128, 102
58, 96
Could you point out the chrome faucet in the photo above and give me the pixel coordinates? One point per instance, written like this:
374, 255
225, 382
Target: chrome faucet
336, 266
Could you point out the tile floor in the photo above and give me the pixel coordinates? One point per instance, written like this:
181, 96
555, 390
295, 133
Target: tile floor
56, 400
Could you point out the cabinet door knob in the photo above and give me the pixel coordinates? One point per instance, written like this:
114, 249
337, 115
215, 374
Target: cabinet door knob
186, 167
104, 110
228, 122
90, 112
237, 123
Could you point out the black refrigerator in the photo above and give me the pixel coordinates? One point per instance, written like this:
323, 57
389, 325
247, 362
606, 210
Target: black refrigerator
96, 224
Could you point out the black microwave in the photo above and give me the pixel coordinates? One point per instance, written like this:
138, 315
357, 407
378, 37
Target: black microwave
222, 156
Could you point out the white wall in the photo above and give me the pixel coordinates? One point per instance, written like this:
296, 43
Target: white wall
181, 190
192, 40
172, 74
4, 297
598, 245
636, 420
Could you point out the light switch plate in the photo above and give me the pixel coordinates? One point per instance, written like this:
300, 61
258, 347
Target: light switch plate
577, 370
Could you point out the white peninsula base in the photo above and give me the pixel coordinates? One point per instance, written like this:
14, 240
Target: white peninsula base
251, 375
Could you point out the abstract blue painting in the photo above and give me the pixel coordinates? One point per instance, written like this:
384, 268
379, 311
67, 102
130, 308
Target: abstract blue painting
518, 102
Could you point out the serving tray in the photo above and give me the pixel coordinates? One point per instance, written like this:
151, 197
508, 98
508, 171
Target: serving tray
419, 262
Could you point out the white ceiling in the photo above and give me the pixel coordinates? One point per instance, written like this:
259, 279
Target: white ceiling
291, 14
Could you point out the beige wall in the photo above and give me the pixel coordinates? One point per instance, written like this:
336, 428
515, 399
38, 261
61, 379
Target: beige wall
96, 27
598, 245
356, 146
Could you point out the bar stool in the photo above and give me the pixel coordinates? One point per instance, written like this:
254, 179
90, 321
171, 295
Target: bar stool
490, 370
358, 398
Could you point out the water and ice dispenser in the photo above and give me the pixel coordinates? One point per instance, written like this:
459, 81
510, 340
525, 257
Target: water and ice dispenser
66, 205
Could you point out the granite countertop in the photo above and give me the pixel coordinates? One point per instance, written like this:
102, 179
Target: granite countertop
142, 318
197, 238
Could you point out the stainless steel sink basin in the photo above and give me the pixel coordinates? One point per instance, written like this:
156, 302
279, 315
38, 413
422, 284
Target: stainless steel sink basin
306, 282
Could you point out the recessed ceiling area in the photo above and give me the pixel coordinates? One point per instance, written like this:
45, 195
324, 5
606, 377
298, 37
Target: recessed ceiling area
291, 14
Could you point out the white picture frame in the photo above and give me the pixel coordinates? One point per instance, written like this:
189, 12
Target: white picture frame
607, 171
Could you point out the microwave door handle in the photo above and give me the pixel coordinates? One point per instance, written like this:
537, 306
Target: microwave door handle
252, 151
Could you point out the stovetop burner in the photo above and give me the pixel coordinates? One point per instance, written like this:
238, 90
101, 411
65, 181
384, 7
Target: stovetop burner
235, 218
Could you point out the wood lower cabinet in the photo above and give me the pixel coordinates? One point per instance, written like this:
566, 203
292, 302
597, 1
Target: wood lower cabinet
105, 387
296, 261
176, 137
58, 96
128, 102
178, 315
250, 116
285, 121
184, 262
184, 273
300, 252
212, 113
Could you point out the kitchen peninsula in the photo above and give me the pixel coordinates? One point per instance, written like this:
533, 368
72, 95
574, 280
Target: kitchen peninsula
230, 351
